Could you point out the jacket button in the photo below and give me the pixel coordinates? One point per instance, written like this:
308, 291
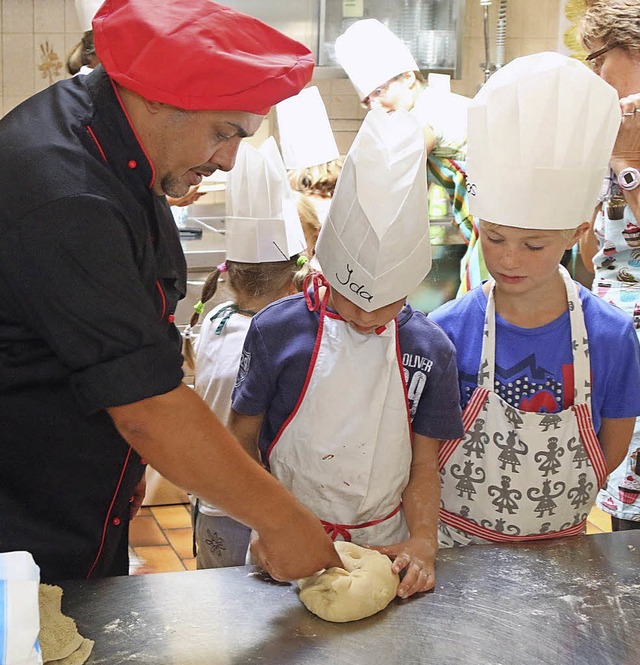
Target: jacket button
171, 318
132, 164
115, 521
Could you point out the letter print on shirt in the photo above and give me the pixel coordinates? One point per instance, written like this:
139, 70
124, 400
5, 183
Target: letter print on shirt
245, 361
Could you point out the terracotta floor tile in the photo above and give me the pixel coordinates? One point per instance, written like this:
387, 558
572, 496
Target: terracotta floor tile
161, 558
144, 531
144, 512
181, 541
172, 517
189, 564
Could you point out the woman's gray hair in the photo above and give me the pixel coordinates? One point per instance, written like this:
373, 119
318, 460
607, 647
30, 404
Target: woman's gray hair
611, 22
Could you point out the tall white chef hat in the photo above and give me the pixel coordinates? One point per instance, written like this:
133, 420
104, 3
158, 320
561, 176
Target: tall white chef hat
262, 223
306, 137
371, 55
540, 134
86, 10
374, 246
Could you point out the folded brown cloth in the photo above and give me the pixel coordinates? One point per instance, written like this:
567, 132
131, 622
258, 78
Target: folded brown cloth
60, 642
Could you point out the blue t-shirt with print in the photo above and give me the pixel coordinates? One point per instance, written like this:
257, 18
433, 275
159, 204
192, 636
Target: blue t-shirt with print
534, 366
277, 354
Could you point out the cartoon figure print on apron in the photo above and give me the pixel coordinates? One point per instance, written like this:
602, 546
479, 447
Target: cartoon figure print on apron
518, 475
345, 451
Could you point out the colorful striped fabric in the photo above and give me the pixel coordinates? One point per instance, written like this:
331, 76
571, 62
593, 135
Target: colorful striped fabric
450, 174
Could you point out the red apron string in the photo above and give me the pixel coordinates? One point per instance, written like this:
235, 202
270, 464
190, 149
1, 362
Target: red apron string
335, 530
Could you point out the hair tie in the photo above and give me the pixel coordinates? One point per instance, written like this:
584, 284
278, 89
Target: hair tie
222, 267
199, 307
301, 260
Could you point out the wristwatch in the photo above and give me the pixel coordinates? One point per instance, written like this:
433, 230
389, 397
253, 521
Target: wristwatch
629, 178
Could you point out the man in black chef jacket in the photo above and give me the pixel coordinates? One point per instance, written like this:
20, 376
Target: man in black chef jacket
91, 270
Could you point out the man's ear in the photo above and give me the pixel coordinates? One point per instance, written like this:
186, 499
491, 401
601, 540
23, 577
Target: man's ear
153, 107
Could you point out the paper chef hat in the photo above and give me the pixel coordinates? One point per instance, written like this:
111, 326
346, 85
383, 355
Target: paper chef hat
371, 54
540, 134
374, 246
306, 138
262, 222
198, 55
86, 10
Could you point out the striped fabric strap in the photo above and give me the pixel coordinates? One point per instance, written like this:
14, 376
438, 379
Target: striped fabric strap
450, 174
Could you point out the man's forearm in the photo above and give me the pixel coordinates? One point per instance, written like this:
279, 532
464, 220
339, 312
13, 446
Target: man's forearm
182, 438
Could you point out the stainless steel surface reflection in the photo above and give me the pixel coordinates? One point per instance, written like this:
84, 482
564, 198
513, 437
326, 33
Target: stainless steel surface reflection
564, 601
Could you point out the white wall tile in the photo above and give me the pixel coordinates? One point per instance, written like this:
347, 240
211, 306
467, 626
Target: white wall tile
48, 16
17, 65
17, 16
10, 102
71, 18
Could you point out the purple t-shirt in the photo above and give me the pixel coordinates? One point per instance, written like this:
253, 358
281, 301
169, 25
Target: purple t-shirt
277, 354
534, 366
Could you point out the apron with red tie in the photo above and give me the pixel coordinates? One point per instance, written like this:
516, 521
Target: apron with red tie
345, 451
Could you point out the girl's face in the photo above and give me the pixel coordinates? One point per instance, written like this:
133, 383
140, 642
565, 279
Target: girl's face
363, 322
619, 67
398, 93
523, 261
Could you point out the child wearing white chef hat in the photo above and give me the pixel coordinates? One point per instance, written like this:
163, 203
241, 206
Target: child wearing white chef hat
311, 156
385, 75
344, 389
549, 373
265, 260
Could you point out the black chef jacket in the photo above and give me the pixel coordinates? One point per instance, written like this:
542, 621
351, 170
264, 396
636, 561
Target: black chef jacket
91, 269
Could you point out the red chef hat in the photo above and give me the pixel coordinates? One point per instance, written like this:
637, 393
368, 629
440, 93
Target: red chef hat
198, 55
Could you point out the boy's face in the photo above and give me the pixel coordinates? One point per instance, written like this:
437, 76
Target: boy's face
363, 322
521, 260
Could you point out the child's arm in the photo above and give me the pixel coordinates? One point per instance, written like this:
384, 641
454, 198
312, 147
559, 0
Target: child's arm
614, 436
421, 503
246, 429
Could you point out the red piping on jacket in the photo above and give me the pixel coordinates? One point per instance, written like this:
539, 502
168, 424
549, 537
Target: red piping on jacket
95, 140
164, 300
126, 115
106, 520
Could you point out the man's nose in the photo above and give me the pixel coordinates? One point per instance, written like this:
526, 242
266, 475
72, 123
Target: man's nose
225, 156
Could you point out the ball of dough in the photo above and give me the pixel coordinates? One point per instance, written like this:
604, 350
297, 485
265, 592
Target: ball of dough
363, 587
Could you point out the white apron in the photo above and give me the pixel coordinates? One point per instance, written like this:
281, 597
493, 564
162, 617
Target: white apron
345, 451
519, 475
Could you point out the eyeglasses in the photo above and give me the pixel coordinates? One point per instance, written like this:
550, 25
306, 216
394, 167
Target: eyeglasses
591, 58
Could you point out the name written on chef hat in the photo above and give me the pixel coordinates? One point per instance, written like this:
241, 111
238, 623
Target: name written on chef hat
198, 55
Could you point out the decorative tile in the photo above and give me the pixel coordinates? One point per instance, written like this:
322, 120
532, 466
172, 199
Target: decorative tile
50, 58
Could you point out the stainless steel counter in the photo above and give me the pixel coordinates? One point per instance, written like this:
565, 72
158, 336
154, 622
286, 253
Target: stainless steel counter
564, 601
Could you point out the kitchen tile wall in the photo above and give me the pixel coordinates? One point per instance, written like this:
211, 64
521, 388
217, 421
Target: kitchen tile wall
37, 35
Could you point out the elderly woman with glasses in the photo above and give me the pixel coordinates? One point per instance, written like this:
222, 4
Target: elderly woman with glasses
610, 31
